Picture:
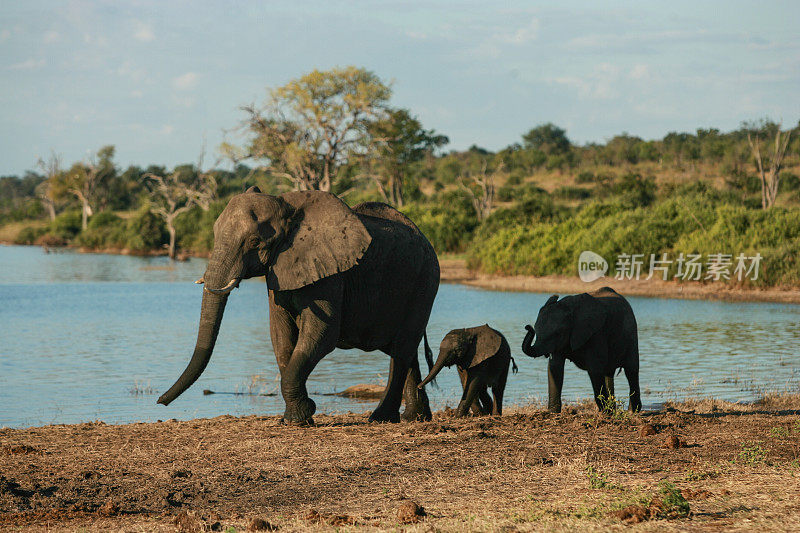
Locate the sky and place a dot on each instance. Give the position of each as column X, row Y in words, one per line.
column 159, row 80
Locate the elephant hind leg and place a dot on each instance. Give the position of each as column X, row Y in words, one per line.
column 388, row 409
column 417, row 405
column 486, row 402
column 635, row 402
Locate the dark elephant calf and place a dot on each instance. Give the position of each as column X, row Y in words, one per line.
column 596, row 331
column 481, row 355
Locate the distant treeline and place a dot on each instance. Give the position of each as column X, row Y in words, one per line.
column 529, row 208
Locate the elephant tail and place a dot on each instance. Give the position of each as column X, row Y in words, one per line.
column 514, row 368
column 428, row 356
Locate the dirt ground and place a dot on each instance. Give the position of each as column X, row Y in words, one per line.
column 737, row 467
column 454, row 270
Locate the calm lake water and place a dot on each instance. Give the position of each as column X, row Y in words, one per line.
column 86, row 337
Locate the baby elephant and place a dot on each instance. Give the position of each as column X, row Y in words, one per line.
column 596, row 331
column 481, row 355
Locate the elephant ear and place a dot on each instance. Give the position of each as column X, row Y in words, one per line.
column 487, row 344
column 588, row 317
column 325, row 237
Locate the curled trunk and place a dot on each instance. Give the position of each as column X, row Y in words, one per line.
column 211, row 313
column 527, row 347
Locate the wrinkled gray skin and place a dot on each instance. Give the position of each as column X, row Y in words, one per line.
column 596, row 331
column 481, row 355
column 363, row 278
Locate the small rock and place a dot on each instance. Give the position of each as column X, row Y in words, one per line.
column 673, row 442
column 409, row 512
column 180, row 473
column 108, row 509
column 259, row 524
column 216, row 526
column 647, row 430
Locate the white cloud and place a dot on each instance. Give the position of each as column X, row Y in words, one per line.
column 523, row 35
column 51, row 36
column 128, row 70
column 600, row 84
column 29, row 64
column 184, row 101
column 143, row 32
column 185, row 82
column 166, row 129
column 98, row 40
column 639, row 72
column 136, row 93
column 5, row 35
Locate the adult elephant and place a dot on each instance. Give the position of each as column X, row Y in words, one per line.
column 596, row 331
column 359, row 278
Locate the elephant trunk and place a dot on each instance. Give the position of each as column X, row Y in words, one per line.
column 437, row 367
column 213, row 307
column 527, row 347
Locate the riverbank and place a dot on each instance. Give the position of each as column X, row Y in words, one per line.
column 736, row 466
column 454, row 270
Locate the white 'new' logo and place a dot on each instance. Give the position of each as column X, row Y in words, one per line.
column 591, row 266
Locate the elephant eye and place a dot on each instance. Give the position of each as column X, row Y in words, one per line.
column 253, row 241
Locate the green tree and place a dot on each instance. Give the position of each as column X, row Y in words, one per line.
column 548, row 138
column 314, row 126
column 399, row 140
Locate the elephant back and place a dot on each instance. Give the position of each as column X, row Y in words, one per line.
column 385, row 211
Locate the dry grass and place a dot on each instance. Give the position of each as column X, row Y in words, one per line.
column 528, row 470
column 9, row 231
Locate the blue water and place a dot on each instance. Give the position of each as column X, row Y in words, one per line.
column 87, row 337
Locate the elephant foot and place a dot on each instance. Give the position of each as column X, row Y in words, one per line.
column 300, row 413
column 382, row 414
column 462, row 410
column 417, row 414
column 555, row 409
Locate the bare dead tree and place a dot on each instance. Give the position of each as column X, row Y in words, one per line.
column 770, row 179
column 483, row 182
column 45, row 191
column 170, row 198
column 205, row 190
column 85, row 181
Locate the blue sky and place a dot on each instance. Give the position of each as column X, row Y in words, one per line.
column 156, row 78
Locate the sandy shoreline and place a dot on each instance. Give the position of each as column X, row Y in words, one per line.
column 529, row 470
column 455, row 271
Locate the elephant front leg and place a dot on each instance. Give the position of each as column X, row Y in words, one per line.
column 470, row 396
column 316, row 339
column 555, row 381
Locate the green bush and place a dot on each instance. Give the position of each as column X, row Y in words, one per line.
column 572, row 193
column 66, row 225
column 104, row 230
column 448, row 223
column 144, row 231
column 29, row 235
column 686, row 222
column 195, row 227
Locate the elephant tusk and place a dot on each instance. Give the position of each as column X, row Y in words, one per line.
column 226, row 289
column 200, row 281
